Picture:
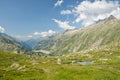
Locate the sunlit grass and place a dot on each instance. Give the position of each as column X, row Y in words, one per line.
column 48, row 69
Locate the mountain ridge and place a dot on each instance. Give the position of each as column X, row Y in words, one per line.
column 10, row 44
column 97, row 35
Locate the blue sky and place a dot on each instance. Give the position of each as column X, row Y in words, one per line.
column 28, row 18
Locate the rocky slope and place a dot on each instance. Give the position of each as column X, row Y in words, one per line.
column 96, row 36
column 9, row 44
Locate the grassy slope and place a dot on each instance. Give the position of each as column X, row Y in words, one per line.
column 47, row 69
column 94, row 36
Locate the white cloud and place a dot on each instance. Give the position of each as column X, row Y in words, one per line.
column 116, row 13
column 88, row 12
column 22, row 37
column 64, row 25
column 29, row 36
column 37, row 33
column 19, row 37
column 44, row 34
column 58, row 3
column 2, row 29
column 64, row 12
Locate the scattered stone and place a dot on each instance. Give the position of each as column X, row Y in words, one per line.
column 14, row 65
column 110, row 53
column 46, row 70
column 73, row 61
column 34, row 62
column 103, row 59
column 22, row 68
column 59, row 61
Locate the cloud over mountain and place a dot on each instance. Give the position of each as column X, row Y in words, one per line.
column 2, row 29
column 44, row 34
column 89, row 12
column 64, row 25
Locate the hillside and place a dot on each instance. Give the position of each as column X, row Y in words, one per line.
column 9, row 44
column 32, row 42
column 103, row 33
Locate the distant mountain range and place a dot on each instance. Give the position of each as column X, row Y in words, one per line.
column 103, row 33
column 32, row 42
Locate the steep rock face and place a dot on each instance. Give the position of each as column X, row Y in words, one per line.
column 103, row 33
column 9, row 44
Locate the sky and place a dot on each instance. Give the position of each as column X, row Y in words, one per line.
column 25, row 19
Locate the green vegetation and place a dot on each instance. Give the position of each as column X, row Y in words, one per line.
column 22, row 67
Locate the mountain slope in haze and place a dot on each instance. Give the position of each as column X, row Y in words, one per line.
column 32, row 42
column 44, row 43
column 9, row 44
column 17, row 41
column 101, row 34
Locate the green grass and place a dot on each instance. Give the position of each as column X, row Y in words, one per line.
column 48, row 69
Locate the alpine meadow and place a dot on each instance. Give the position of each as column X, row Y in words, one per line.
column 59, row 40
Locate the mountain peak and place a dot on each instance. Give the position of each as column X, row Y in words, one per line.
column 111, row 17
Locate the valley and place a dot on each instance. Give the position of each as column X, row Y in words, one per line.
column 59, row 39
column 89, row 53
